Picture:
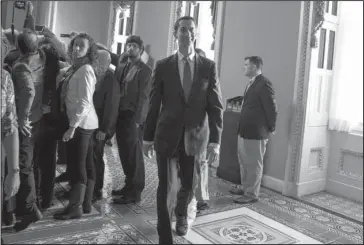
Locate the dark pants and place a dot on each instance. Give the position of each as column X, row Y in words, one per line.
column 184, row 196
column 26, row 196
column 80, row 157
column 130, row 151
column 61, row 152
column 99, row 147
column 46, row 162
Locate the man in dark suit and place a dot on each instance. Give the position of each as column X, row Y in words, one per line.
column 134, row 78
column 257, row 122
column 185, row 90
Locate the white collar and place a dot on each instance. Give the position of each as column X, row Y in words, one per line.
column 190, row 56
column 253, row 78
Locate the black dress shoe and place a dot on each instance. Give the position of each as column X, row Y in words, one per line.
column 126, row 200
column 32, row 217
column 119, row 192
column 9, row 218
column 202, row 205
column 69, row 213
column 181, row 225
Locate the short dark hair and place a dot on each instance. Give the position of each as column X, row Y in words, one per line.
column 176, row 24
column 135, row 39
column 27, row 41
column 256, row 60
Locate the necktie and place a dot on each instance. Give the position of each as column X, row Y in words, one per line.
column 247, row 86
column 187, row 78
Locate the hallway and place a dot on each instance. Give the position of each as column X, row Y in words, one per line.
column 275, row 219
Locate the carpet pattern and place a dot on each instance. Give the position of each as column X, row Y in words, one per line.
column 136, row 224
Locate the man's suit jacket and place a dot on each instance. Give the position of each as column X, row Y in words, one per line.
column 28, row 78
column 170, row 113
column 106, row 102
column 259, row 111
column 135, row 86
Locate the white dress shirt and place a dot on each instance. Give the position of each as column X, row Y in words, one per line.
column 79, row 99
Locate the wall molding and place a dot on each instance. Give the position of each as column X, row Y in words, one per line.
column 293, row 164
column 272, row 183
column 310, row 187
column 319, row 166
column 342, row 189
column 340, row 167
column 172, row 20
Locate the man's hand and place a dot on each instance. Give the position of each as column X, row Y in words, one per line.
column 47, row 32
column 11, row 184
column 69, row 134
column 148, row 150
column 137, row 125
column 100, row 135
column 73, row 34
column 30, row 8
column 46, row 109
column 25, row 128
column 213, row 153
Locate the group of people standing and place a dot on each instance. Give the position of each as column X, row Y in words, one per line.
column 72, row 97
column 58, row 96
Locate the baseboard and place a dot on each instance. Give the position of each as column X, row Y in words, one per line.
column 310, row 187
column 345, row 190
column 272, row 183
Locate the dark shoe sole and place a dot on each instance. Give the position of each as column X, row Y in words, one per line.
column 245, row 201
column 125, row 201
column 237, row 192
column 202, row 206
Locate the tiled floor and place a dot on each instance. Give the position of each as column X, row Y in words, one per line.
column 275, row 219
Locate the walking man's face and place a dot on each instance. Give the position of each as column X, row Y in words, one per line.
column 186, row 33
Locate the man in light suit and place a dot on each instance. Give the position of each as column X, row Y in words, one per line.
column 257, row 122
column 185, row 90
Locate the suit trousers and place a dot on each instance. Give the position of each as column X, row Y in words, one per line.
column 168, row 181
column 26, row 196
column 130, row 152
column 201, row 178
column 250, row 156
